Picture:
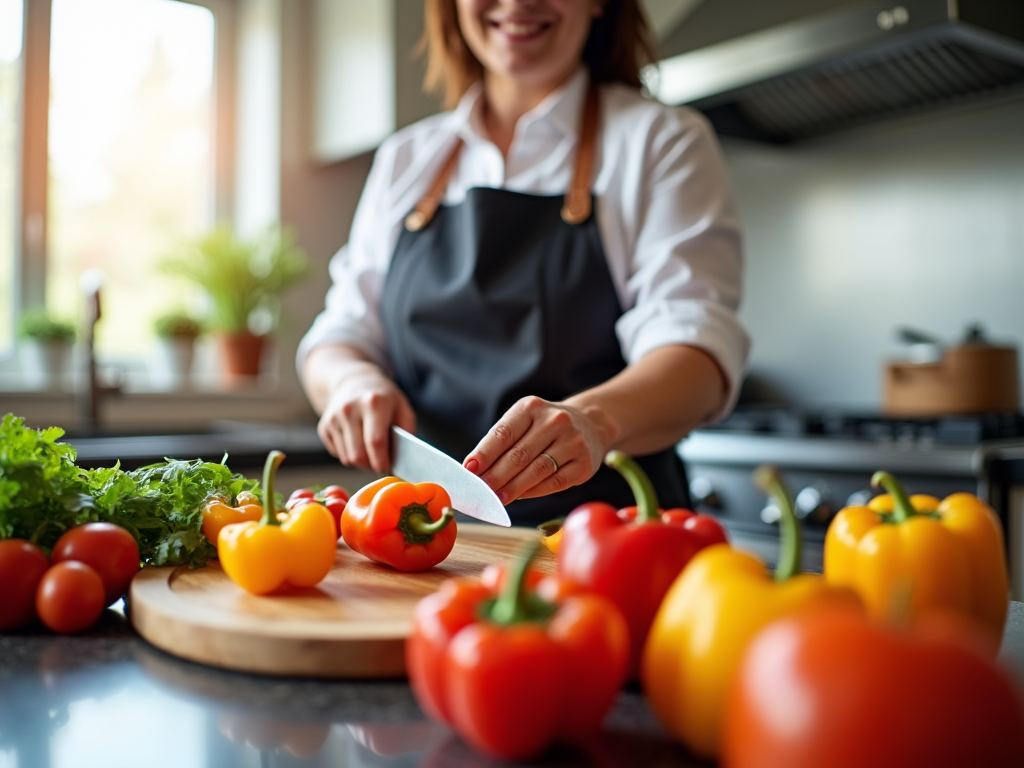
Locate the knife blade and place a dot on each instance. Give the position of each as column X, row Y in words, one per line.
column 415, row 461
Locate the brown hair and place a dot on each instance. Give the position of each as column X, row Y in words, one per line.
column 618, row 47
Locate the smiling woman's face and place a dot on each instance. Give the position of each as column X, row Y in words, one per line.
column 537, row 43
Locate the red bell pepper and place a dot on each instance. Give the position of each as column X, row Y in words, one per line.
column 828, row 688
column 408, row 526
column 334, row 497
column 632, row 556
column 510, row 672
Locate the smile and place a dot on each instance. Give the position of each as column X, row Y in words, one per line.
column 519, row 29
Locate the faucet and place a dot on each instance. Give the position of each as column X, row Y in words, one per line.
column 89, row 394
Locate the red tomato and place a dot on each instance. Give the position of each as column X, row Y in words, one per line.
column 70, row 597
column 827, row 688
column 708, row 529
column 109, row 549
column 22, row 565
column 334, row 491
column 334, row 497
column 301, row 493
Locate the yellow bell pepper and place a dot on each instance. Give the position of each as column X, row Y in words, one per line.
column 709, row 615
column 262, row 556
column 217, row 513
column 918, row 555
column 551, row 533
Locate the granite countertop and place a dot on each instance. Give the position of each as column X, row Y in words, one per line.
column 107, row 698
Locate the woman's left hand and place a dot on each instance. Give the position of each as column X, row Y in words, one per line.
column 539, row 447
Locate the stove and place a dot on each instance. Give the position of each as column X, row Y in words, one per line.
column 827, row 459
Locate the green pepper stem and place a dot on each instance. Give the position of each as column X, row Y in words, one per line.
column 512, row 607
column 422, row 525
column 274, row 459
column 902, row 510
column 768, row 479
column 646, row 499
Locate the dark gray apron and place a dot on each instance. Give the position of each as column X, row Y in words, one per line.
column 497, row 298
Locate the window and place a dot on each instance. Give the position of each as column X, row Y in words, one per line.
column 10, row 98
column 130, row 155
column 112, row 151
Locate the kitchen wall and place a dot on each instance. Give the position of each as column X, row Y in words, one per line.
column 319, row 199
column 918, row 222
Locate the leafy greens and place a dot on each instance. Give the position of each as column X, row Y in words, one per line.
column 44, row 493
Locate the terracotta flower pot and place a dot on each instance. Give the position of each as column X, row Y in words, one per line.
column 240, row 353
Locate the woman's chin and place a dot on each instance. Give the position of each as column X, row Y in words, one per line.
column 530, row 70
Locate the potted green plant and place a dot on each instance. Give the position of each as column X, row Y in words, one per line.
column 244, row 280
column 176, row 334
column 46, row 343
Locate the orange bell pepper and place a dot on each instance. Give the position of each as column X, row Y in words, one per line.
column 408, row 526
column 946, row 555
column 217, row 513
column 263, row 556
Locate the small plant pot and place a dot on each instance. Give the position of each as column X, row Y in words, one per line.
column 176, row 356
column 240, row 354
column 46, row 362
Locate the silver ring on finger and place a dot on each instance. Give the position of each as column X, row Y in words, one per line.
column 554, row 463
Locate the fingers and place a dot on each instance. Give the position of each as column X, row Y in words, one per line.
column 330, row 436
column 356, row 424
column 377, row 432
column 503, row 436
column 566, row 477
column 528, row 431
column 405, row 416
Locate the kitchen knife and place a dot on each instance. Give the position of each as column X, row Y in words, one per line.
column 418, row 462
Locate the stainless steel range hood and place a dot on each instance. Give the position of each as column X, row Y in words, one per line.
column 785, row 70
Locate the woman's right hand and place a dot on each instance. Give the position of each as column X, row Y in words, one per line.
column 355, row 424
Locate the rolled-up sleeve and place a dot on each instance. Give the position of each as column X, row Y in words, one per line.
column 685, row 271
column 351, row 313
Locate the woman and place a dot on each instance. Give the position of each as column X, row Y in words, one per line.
column 544, row 273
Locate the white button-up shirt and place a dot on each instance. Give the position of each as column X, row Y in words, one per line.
column 664, row 210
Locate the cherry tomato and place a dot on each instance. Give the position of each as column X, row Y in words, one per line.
column 109, row 549
column 22, row 565
column 708, row 528
column 70, row 597
column 334, row 497
column 705, row 527
column 300, row 494
column 334, row 491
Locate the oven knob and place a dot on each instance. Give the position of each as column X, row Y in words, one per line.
column 771, row 513
column 860, row 498
column 813, row 505
column 703, row 494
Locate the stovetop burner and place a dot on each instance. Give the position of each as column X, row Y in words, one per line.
column 961, row 429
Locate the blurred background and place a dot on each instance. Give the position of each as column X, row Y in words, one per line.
column 130, row 129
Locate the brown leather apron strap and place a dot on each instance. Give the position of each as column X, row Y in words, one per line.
column 577, row 200
column 427, row 206
column 577, row 207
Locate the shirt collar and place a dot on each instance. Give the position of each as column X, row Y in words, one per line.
column 561, row 108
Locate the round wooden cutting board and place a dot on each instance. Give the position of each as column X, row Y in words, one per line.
column 353, row 624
